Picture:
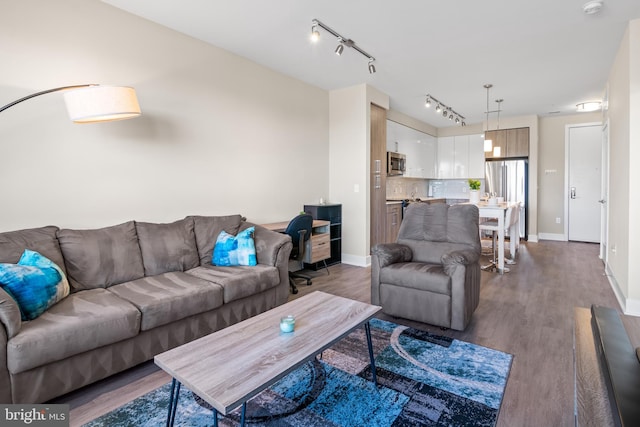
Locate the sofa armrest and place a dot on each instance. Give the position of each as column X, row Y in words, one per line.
column 268, row 243
column 273, row 248
column 9, row 314
column 391, row 253
column 451, row 260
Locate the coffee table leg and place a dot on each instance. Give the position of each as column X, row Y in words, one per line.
column 244, row 411
column 215, row 417
column 367, row 329
column 173, row 402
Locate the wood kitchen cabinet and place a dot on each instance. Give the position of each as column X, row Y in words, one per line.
column 518, row 142
column 378, row 176
column 513, row 143
column 394, row 218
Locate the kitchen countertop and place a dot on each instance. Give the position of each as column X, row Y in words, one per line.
column 425, row 199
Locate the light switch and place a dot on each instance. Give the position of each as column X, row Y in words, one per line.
column 356, row 188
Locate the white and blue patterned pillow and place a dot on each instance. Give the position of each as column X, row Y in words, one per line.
column 35, row 283
column 235, row 250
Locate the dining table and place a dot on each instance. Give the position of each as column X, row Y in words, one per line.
column 498, row 211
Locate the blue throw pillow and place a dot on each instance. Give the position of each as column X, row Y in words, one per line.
column 36, row 283
column 235, row 250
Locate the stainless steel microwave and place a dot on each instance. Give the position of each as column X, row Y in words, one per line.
column 396, row 163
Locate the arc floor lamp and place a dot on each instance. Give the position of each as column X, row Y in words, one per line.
column 92, row 103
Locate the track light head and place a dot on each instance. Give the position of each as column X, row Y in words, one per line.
column 427, row 103
column 444, row 113
column 457, row 120
column 340, row 49
column 438, row 108
column 463, row 124
column 372, row 68
column 315, row 34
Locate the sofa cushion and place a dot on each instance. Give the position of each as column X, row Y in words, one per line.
column 207, row 229
column 102, row 257
column 42, row 240
column 417, row 275
column 169, row 297
column 36, row 283
column 235, row 250
column 239, row 282
column 81, row 322
column 167, row 247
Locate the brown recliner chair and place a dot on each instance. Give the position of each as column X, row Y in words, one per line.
column 432, row 273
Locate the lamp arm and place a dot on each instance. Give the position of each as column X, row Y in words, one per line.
column 44, row 92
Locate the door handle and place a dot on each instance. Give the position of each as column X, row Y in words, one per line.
column 602, row 201
column 573, row 192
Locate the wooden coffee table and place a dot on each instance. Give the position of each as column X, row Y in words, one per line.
column 229, row 367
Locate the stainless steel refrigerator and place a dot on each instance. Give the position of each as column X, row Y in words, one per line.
column 509, row 179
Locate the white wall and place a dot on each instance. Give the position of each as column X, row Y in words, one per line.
column 350, row 149
column 219, row 134
column 624, row 200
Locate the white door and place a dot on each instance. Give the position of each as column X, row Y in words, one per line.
column 584, row 156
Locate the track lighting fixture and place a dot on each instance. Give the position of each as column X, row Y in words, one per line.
column 372, row 68
column 315, row 34
column 344, row 41
column 447, row 112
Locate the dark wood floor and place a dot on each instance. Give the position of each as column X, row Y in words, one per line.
column 528, row 313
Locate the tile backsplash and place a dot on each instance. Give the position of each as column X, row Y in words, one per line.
column 408, row 188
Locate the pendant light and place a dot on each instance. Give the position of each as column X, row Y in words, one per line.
column 496, row 150
column 488, row 144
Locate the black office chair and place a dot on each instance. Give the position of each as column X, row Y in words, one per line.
column 300, row 231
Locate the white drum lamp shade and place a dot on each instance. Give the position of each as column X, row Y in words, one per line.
column 101, row 104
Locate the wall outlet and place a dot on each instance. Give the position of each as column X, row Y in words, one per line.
column 558, row 220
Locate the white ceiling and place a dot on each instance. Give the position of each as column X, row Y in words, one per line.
column 541, row 56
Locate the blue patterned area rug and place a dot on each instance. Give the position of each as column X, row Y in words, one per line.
column 425, row 380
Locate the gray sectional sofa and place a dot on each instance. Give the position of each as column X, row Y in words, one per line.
column 138, row 289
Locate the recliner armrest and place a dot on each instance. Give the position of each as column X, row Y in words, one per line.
column 460, row 257
column 391, row 253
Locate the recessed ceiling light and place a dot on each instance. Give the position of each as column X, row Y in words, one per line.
column 592, row 7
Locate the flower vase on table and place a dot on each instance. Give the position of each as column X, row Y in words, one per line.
column 474, row 196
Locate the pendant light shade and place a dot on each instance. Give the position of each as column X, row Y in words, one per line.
column 101, row 104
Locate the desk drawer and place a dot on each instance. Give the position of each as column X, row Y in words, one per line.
column 320, row 248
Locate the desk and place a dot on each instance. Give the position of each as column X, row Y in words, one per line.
column 318, row 247
column 498, row 211
column 281, row 226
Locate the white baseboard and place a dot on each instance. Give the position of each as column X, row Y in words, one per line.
column 553, row 236
column 533, row 238
column 358, row 261
column 628, row 306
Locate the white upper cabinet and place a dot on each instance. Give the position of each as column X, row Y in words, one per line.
column 476, row 156
column 460, row 157
column 419, row 147
column 446, row 157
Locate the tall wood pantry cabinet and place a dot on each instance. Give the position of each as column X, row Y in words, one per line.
column 333, row 214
